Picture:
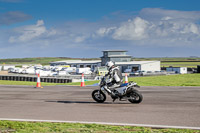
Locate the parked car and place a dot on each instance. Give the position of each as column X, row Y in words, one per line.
column 19, row 70
column 85, row 70
column 137, row 73
column 30, row 70
column 63, row 73
column 127, row 70
column 11, row 70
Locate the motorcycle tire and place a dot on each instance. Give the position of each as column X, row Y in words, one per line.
column 98, row 96
column 135, row 96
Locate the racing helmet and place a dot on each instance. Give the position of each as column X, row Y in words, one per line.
column 109, row 64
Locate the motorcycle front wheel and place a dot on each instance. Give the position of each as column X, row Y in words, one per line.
column 135, row 96
column 98, row 96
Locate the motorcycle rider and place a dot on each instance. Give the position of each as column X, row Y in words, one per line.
column 115, row 77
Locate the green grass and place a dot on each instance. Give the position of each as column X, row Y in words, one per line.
column 38, row 60
column 6, row 82
column 168, row 80
column 47, row 127
column 169, row 59
column 165, row 80
column 175, row 62
column 43, row 60
column 180, row 64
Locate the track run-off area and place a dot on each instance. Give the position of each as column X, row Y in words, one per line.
column 162, row 107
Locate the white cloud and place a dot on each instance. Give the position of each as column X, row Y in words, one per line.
column 166, row 18
column 52, row 32
column 158, row 13
column 38, row 33
column 79, row 39
column 29, row 32
column 40, row 23
column 132, row 30
column 190, row 28
column 154, row 26
column 105, row 31
column 148, row 29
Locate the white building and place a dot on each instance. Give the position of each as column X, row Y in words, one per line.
column 139, row 65
column 123, row 60
column 120, row 58
column 115, row 56
column 78, row 63
column 180, row 70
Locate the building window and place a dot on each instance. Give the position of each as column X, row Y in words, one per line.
column 105, row 54
column 135, row 68
column 81, row 66
column 88, row 66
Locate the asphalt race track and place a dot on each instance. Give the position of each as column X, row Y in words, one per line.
column 170, row 106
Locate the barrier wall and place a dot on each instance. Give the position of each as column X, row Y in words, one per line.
column 34, row 79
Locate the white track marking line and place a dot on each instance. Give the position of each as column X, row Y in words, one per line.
column 104, row 123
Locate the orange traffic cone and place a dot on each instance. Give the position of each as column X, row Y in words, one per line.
column 38, row 81
column 82, row 80
column 126, row 78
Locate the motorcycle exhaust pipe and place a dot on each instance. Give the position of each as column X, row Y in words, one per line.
column 129, row 90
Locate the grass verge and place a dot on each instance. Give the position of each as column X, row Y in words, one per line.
column 169, row 80
column 165, row 80
column 47, row 127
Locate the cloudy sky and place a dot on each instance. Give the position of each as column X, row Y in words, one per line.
column 83, row 28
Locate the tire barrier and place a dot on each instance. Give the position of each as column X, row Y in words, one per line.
column 34, row 79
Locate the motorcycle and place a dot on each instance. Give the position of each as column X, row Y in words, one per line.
column 126, row 91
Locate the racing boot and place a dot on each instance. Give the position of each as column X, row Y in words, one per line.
column 114, row 96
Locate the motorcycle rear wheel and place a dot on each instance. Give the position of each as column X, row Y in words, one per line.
column 98, row 96
column 135, row 97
